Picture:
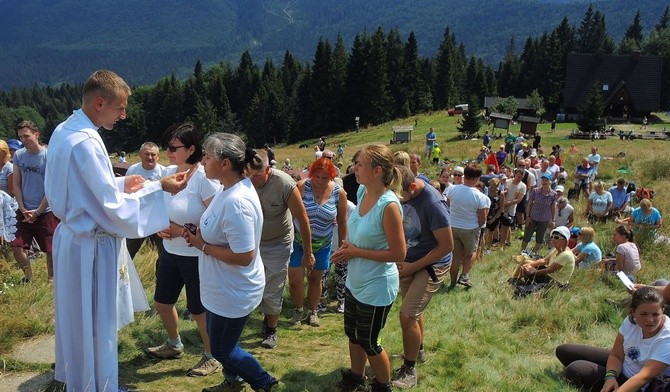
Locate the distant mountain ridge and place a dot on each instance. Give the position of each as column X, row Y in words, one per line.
column 53, row 41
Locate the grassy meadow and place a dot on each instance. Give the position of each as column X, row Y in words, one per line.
column 477, row 340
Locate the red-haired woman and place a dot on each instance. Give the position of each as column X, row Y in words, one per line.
column 325, row 202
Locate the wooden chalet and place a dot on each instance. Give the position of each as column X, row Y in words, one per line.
column 528, row 124
column 630, row 84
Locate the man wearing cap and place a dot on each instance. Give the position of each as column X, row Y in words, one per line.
column 430, row 142
column 556, row 268
column 34, row 217
column 540, row 213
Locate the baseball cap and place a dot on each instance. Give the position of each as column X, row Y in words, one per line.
column 502, row 146
column 560, row 188
column 547, row 176
column 435, row 144
column 14, row 144
column 562, row 231
column 575, row 231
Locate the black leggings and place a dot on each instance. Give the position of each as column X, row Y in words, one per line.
column 585, row 366
column 362, row 323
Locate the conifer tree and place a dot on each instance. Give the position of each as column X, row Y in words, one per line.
column 592, row 110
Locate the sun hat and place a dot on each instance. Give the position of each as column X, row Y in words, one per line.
column 562, row 231
column 458, row 169
column 560, row 188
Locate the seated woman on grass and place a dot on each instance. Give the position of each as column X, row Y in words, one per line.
column 627, row 254
column 645, row 220
column 641, row 350
column 556, row 268
column 587, row 254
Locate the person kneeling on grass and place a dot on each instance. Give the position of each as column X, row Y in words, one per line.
column 555, row 269
column 639, row 357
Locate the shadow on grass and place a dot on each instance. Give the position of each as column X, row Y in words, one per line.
column 311, row 381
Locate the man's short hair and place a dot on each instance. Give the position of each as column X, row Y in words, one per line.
column 621, row 181
column 491, row 167
column 27, row 124
column 472, row 171
column 105, row 83
column 147, row 145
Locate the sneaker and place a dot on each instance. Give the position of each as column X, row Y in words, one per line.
column 465, row 281
column 165, row 351
column 313, row 319
column 340, row 307
column 227, row 386
column 270, row 341
column 321, row 308
column 422, row 357
column 405, row 377
column 297, row 318
column 204, row 367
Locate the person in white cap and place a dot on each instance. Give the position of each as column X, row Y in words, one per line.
column 556, row 268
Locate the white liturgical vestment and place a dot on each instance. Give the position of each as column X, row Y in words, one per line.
column 95, row 215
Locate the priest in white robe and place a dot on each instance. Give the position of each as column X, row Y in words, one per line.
column 96, row 211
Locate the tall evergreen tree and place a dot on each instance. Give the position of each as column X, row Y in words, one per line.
column 355, row 96
column 445, row 69
column 664, row 21
column 634, row 31
column 395, row 67
column 508, row 71
column 592, row 110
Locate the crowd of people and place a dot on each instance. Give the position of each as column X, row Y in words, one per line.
column 232, row 229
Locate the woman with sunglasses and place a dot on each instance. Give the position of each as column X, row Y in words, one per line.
column 556, row 268
column 177, row 264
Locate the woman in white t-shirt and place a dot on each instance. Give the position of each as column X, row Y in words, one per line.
column 177, row 265
column 627, row 253
column 640, row 354
column 232, row 277
column 600, row 203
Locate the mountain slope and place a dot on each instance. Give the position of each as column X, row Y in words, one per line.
column 51, row 41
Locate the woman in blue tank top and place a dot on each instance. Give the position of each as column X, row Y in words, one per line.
column 375, row 242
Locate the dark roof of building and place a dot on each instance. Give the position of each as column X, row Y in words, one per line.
column 639, row 75
column 528, row 119
column 501, row 115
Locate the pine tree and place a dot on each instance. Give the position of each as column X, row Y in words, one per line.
column 508, row 71
column 472, row 119
column 664, row 21
column 592, row 110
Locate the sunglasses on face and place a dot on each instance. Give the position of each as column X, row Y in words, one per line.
column 174, row 148
column 557, row 237
column 458, row 175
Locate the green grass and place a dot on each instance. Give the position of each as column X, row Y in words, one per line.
column 477, row 340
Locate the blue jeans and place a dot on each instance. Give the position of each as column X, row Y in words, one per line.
column 224, row 337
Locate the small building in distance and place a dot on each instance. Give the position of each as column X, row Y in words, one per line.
column 528, row 124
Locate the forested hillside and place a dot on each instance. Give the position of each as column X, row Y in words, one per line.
column 53, row 41
column 383, row 76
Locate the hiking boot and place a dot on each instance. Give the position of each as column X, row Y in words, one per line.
column 298, row 316
column 313, row 319
column 379, row 387
column 165, row 351
column 351, row 382
column 405, row 377
column 422, row 357
column 340, row 307
column 465, row 281
column 204, row 367
column 270, row 340
column 227, row 386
